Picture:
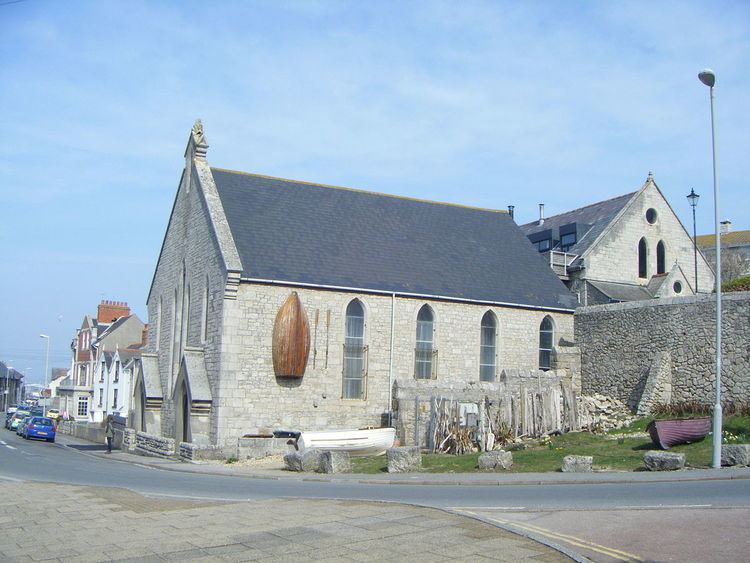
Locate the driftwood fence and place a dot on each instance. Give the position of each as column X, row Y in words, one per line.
column 461, row 420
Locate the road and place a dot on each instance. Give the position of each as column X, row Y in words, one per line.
column 675, row 520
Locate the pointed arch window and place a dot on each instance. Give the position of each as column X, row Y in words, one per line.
column 487, row 347
column 642, row 258
column 204, row 324
column 425, row 354
column 355, row 352
column 661, row 258
column 546, row 338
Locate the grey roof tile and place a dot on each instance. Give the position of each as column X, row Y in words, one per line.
column 314, row 234
column 597, row 216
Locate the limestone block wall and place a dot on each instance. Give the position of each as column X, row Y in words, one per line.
column 189, row 246
column 251, row 400
column 615, row 257
column 620, row 342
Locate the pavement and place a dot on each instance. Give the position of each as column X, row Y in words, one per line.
column 56, row 522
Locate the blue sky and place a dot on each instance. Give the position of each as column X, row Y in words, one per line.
column 479, row 103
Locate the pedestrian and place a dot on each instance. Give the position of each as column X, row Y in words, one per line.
column 109, row 432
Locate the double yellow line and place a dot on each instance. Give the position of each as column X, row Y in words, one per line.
column 572, row 540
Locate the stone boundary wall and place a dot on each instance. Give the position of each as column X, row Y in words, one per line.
column 620, row 342
column 150, row 444
column 91, row 431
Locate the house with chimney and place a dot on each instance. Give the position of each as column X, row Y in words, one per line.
column 112, row 328
column 735, row 250
column 627, row 248
column 286, row 304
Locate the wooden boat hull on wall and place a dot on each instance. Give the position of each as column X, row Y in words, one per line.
column 291, row 339
column 671, row 432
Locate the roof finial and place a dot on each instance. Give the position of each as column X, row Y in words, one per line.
column 198, row 140
column 650, row 176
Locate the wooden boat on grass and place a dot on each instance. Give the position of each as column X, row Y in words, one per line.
column 670, row 432
column 371, row 441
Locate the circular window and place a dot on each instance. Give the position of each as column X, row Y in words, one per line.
column 677, row 287
column 651, row 215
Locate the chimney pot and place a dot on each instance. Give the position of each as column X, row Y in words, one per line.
column 541, row 214
column 511, row 208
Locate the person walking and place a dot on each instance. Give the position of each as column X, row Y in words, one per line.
column 109, row 432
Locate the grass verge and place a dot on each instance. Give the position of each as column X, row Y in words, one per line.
column 617, row 451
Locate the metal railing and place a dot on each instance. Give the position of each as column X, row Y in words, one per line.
column 425, row 363
column 560, row 261
column 354, row 376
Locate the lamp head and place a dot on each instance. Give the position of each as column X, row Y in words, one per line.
column 43, row 336
column 693, row 197
column 708, row 77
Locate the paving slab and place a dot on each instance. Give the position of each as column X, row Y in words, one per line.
column 144, row 528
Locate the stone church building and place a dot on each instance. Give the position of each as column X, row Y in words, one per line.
column 281, row 304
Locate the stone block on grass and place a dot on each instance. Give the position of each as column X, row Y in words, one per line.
column 663, row 461
column 735, row 454
column 293, row 461
column 335, row 462
column 577, row 464
column 404, row 459
column 497, row 460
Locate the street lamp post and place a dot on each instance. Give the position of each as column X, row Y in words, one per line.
column 693, row 199
column 46, row 369
column 708, row 78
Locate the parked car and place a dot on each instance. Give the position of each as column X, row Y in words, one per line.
column 21, row 424
column 39, row 427
column 54, row 414
column 16, row 419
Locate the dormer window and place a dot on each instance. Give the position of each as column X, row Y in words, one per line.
column 543, row 245
column 567, row 241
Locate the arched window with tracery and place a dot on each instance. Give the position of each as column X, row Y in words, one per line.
column 546, row 338
column 487, row 347
column 425, row 353
column 355, row 352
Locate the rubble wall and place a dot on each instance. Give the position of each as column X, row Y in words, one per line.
column 619, row 343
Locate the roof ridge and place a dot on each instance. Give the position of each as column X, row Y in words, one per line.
column 584, row 207
column 359, row 190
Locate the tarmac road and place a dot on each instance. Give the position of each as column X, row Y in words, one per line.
column 617, row 516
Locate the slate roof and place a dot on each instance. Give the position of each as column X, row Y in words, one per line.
column 595, row 216
column 307, row 233
column 622, row 291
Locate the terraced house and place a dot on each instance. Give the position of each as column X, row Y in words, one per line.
column 285, row 304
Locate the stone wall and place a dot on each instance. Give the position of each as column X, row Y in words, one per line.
column 251, row 400
column 150, row 444
column 620, row 344
column 93, row 432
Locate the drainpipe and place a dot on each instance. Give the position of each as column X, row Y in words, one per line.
column 390, row 361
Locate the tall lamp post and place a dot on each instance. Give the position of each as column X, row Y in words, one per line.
column 46, row 370
column 708, row 78
column 693, row 199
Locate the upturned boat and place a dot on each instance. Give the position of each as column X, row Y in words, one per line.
column 370, row 441
column 666, row 433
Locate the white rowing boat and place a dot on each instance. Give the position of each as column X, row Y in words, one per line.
column 373, row 441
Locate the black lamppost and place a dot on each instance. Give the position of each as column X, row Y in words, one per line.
column 693, row 199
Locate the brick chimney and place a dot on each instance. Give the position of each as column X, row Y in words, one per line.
column 144, row 336
column 110, row 311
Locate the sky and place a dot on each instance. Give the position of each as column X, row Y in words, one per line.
column 487, row 104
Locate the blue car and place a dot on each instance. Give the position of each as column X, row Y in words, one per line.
column 39, row 427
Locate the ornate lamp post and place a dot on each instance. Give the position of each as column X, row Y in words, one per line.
column 708, row 78
column 693, row 199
